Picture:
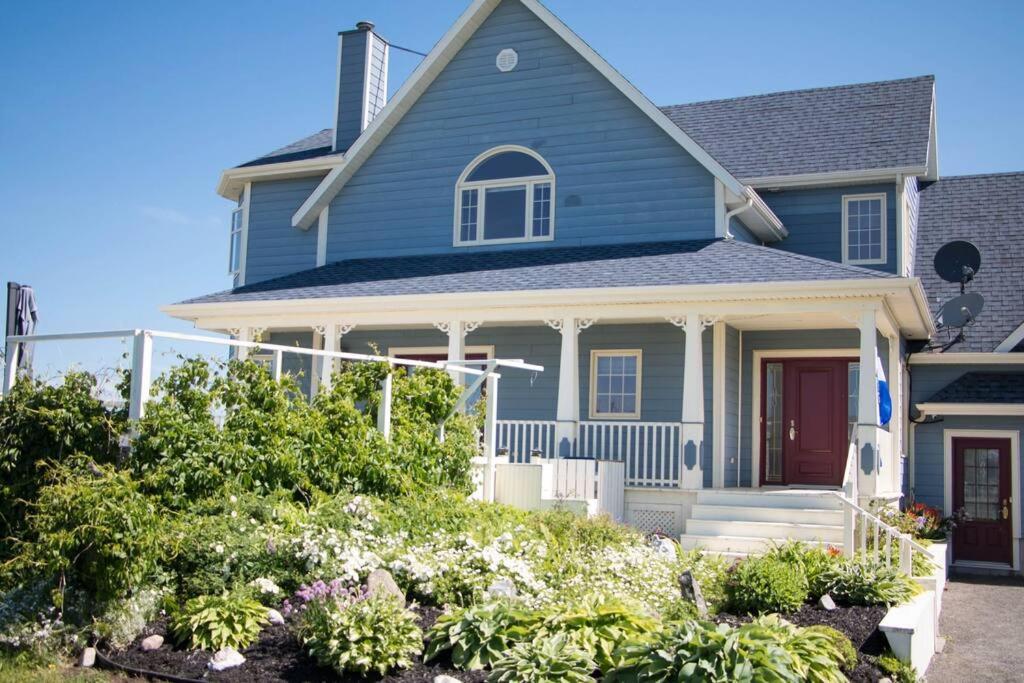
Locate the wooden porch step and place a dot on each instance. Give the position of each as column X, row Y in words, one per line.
column 749, row 513
column 790, row 499
column 775, row 531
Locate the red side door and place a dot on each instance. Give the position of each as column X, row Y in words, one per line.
column 981, row 489
column 814, row 421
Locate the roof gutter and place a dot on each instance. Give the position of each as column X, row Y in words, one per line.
column 832, row 178
column 233, row 180
column 776, row 230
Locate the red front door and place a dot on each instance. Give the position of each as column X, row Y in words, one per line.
column 805, row 421
column 981, row 490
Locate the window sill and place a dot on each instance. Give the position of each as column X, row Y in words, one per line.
column 612, row 417
column 510, row 240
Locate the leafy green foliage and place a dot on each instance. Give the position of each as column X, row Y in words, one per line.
column 212, row 622
column 861, row 582
column 845, row 649
column 544, row 660
column 900, row 671
column 599, row 626
column 376, row 634
column 93, row 528
column 768, row 649
column 41, row 422
column 813, row 561
column 766, row 584
column 480, row 635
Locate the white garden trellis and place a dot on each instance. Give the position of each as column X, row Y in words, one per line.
column 142, row 366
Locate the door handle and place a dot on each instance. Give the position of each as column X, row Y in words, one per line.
column 1006, row 508
column 792, row 430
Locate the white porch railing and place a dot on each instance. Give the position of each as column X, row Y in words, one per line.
column 648, row 450
column 866, row 534
column 525, row 439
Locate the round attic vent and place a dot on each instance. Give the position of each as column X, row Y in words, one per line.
column 507, row 59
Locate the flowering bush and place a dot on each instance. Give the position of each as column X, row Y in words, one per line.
column 918, row 520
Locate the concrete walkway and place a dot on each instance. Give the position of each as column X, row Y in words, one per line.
column 983, row 623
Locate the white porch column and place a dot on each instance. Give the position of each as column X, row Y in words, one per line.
column 895, row 378
column 867, row 407
column 241, row 334
column 333, row 332
column 490, row 436
column 691, row 442
column 456, row 331
column 718, row 406
column 567, row 417
column 142, row 367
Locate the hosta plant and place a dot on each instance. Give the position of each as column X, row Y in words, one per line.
column 862, row 582
column 362, row 636
column 544, row 660
column 480, row 635
column 600, row 626
column 212, row 622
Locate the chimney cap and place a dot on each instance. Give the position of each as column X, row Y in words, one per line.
column 364, row 25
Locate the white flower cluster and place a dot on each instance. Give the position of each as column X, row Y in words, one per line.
column 265, row 586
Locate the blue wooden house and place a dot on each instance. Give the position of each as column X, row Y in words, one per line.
column 714, row 288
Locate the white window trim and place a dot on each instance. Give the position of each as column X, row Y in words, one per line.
column 599, row 353
column 394, row 351
column 482, row 185
column 847, row 198
column 947, row 475
column 243, row 238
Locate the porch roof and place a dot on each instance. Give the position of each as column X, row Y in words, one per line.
column 695, row 262
column 982, row 387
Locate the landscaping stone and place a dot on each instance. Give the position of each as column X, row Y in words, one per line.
column 151, row 643
column 691, row 591
column 502, row 588
column 274, row 617
column 381, row 581
column 226, row 658
column 827, row 602
column 445, row 678
column 87, row 658
column 666, row 547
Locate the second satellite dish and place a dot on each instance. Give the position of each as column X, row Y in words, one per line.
column 960, row 311
column 957, row 261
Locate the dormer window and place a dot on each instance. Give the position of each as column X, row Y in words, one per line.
column 864, row 229
column 505, row 195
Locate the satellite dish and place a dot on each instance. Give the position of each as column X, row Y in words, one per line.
column 961, row 311
column 957, row 261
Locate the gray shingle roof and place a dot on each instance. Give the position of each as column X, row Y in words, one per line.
column 987, row 210
column 982, row 387
column 844, row 128
column 695, row 262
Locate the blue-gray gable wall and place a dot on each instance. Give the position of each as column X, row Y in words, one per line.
column 814, row 218
column 273, row 246
column 776, row 340
column 929, row 440
column 299, row 366
column 529, row 396
column 619, row 178
column 741, row 233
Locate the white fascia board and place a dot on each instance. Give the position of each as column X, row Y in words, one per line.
column 761, row 220
column 438, row 59
column 979, row 358
column 933, row 144
column 232, row 181
column 976, row 409
column 835, row 178
column 1010, row 343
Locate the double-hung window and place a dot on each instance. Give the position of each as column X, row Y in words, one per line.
column 864, row 229
column 505, row 195
column 615, row 384
column 235, row 250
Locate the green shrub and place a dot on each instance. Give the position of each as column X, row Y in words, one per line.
column 814, row 562
column 43, row 422
column 599, row 626
column 768, row 649
column 544, row 660
column 766, row 584
column 92, row 528
column 899, row 671
column 480, row 635
column 212, row 622
column 860, row 582
column 376, row 634
column 847, row 653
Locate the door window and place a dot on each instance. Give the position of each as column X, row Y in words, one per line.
column 981, row 484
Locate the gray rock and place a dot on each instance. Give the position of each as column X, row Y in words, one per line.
column 691, row 591
column 502, row 588
column 445, row 678
column 87, row 658
column 381, row 581
column 666, row 547
column 274, row 617
column 827, row 602
column 153, row 642
column 226, row 658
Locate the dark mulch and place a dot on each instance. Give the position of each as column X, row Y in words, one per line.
column 859, row 624
column 276, row 658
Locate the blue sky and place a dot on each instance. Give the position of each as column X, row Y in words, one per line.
column 117, row 117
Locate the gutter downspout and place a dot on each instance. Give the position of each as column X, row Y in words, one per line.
column 735, row 212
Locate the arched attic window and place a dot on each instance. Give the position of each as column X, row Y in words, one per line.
column 506, row 194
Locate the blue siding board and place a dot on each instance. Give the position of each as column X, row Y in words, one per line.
column 741, row 232
column 274, row 248
column 299, row 366
column 814, row 218
column 598, row 143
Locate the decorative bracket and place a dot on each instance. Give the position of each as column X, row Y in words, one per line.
column 235, row 332
column 444, row 327
column 705, row 321
column 584, row 323
column 345, row 328
column 556, row 324
column 320, row 329
column 467, row 327
column 470, row 326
